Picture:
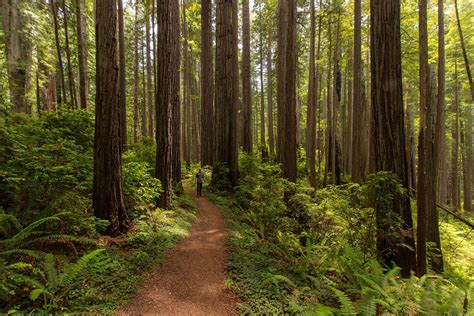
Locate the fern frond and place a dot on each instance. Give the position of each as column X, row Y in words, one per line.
column 26, row 232
column 61, row 238
column 277, row 278
column 347, row 307
column 28, row 281
column 51, row 271
column 19, row 266
column 23, row 252
column 9, row 224
column 371, row 283
column 73, row 270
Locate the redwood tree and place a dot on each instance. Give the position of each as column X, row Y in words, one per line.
column 107, row 199
column 122, row 78
column 246, row 79
column 18, row 54
column 207, row 85
column 389, row 132
column 82, row 52
column 167, row 94
column 226, row 88
column 287, row 87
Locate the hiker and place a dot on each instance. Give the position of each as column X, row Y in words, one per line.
column 199, row 178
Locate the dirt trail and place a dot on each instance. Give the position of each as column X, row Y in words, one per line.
column 191, row 279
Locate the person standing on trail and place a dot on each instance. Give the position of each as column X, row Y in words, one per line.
column 199, row 179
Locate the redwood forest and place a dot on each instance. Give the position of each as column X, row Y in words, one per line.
column 236, row 157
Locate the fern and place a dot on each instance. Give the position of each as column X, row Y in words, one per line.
column 51, row 271
column 372, row 284
column 23, row 252
column 8, row 224
column 27, row 231
column 62, row 238
column 80, row 265
column 277, row 278
column 19, row 266
column 346, row 305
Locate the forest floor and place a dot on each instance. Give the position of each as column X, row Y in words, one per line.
column 191, row 279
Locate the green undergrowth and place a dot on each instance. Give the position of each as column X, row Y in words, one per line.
column 315, row 255
column 92, row 281
column 117, row 273
column 54, row 258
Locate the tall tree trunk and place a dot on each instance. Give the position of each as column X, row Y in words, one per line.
column 227, row 86
column 411, row 157
column 287, row 86
column 282, row 44
column 312, row 99
column 329, row 109
column 54, row 11
column 439, row 144
column 426, row 190
column 72, row 84
column 195, row 114
column 335, row 153
column 467, row 152
column 18, row 54
column 168, row 93
column 246, row 79
column 187, row 93
column 107, row 197
column 262, row 100
column 359, row 152
column 136, row 114
column 82, row 52
column 271, row 137
column 467, row 162
column 389, row 131
column 144, row 111
column 122, row 78
column 454, row 183
column 149, row 70
column 175, row 91
column 207, row 85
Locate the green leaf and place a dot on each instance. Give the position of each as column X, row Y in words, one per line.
column 36, row 293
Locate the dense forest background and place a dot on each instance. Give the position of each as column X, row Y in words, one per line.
column 335, row 134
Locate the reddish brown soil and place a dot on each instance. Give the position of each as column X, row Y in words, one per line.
column 191, row 279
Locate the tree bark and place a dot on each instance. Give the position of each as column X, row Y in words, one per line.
column 227, row 87
column 388, row 130
column 467, row 152
column 271, row 137
column 287, row 87
column 312, row 99
column 149, row 70
column 454, row 183
column 122, row 78
column 439, row 156
column 107, row 198
column 18, row 54
column 168, row 94
column 359, row 151
column 175, row 90
column 136, row 114
column 207, row 85
column 62, row 89
column 144, row 114
column 72, row 84
column 82, row 52
column 263, row 144
column 246, row 80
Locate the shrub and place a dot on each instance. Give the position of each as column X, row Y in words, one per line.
column 141, row 189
